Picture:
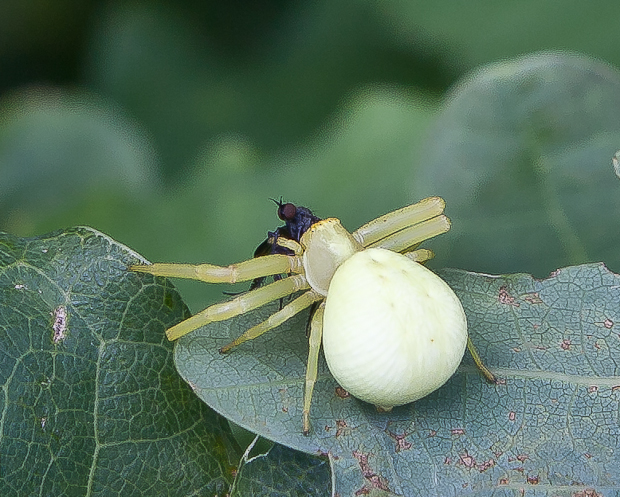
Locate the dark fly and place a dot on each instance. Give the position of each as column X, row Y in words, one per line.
column 297, row 220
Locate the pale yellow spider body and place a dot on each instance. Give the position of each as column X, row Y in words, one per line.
column 321, row 251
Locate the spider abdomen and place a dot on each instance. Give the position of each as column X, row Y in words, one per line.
column 393, row 331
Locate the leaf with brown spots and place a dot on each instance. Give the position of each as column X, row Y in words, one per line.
column 544, row 406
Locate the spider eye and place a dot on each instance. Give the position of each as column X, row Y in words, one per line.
column 286, row 212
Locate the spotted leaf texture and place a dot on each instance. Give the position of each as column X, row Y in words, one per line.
column 90, row 402
column 550, row 426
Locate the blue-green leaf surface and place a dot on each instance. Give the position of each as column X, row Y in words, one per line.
column 550, row 427
column 90, row 402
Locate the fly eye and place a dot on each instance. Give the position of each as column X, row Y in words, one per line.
column 286, row 212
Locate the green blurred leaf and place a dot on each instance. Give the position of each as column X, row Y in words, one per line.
column 158, row 60
column 522, row 154
column 90, row 401
column 553, row 422
column 478, row 31
column 60, row 147
column 282, row 472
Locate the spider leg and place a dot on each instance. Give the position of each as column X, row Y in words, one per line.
column 491, row 378
column 239, row 305
column 242, row 271
column 290, row 244
column 420, row 255
column 377, row 229
column 409, row 238
column 316, row 333
column 276, row 319
column 309, row 322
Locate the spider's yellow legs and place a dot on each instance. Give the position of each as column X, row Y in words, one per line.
column 420, row 255
column 239, row 305
column 291, row 245
column 276, row 319
column 242, row 271
column 316, row 333
column 409, row 238
column 479, row 364
column 371, row 234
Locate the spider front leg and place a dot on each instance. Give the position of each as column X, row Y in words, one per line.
column 371, row 234
column 240, row 305
column 243, row 271
column 316, row 334
column 276, row 319
column 209, row 273
column 410, row 237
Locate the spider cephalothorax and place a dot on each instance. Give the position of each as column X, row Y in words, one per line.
column 392, row 330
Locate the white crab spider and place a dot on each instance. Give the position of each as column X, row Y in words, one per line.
column 392, row 331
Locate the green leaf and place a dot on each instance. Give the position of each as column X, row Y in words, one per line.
column 90, row 401
column 282, row 472
column 60, row 147
column 551, row 424
column 155, row 60
column 526, row 146
column 513, row 27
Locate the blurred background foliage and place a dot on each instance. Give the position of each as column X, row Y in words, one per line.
column 169, row 124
